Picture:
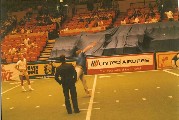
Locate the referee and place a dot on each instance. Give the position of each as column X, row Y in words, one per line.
column 68, row 77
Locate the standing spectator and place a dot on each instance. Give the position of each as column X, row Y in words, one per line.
column 68, row 79
column 21, row 66
column 81, row 65
column 175, row 61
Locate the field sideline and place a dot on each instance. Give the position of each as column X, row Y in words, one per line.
column 147, row 95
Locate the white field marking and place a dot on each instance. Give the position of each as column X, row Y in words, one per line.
column 158, row 87
column 89, row 75
column 136, row 89
column 94, row 102
column 147, row 71
column 37, row 106
column 13, row 83
column 91, row 100
column 171, row 73
column 28, row 97
column 170, row 96
column 7, row 98
column 11, row 108
column 117, row 101
column 11, row 89
column 96, row 108
column 129, row 72
column 120, row 75
column 144, row 99
column 141, row 71
column 104, row 76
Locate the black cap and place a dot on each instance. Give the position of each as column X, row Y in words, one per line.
column 62, row 58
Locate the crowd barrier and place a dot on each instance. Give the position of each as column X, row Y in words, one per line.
column 97, row 65
column 79, row 30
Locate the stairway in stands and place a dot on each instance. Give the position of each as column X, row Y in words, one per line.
column 45, row 54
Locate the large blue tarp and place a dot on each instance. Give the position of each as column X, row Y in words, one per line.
column 125, row 39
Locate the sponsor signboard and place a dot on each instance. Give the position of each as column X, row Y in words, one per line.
column 164, row 59
column 124, row 63
column 9, row 73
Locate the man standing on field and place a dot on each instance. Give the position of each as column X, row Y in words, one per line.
column 21, row 66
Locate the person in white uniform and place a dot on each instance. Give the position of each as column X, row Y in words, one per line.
column 21, row 66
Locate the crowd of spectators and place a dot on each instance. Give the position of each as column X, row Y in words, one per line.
column 146, row 14
column 91, row 20
column 7, row 25
column 28, row 35
column 51, row 22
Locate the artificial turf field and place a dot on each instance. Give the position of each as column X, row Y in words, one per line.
column 149, row 95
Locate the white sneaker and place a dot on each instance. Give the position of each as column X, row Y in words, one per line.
column 31, row 89
column 24, row 90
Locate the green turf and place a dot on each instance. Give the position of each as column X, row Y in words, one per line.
column 151, row 95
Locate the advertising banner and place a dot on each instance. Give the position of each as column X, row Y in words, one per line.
column 125, row 63
column 9, row 73
column 164, row 59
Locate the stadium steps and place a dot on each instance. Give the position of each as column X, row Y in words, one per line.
column 47, row 50
column 49, row 45
column 43, row 59
column 51, row 41
column 45, row 54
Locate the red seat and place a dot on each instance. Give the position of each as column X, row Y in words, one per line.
column 28, row 58
column 15, row 59
column 33, row 58
column 9, row 60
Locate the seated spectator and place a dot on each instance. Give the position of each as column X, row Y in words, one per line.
column 33, row 45
column 100, row 23
column 14, row 31
column 154, row 20
column 28, row 31
column 23, row 50
column 22, row 31
column 123, row 22
column 169, row 15
column 26, row 42
column 12, row 51
column 136, row 20
column 132, row 20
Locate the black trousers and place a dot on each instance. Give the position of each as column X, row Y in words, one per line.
column 72, row 90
